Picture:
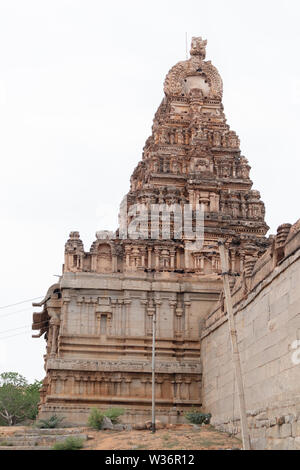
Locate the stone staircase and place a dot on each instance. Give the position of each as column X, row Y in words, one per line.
column 38, row 439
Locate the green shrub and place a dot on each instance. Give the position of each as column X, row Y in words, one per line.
column 96, row 416
column 53, row 422
column 196, row 417
column 95, row 419
column 114, row 413
column 18, row 399
column 6, row 444
column 70, row 443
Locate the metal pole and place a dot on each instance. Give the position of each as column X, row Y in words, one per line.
column 186, row 47
column 153, row 370
column 234, row 346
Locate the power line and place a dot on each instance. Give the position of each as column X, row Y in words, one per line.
column 24, row 326
column 17, row 334
column 13, row 329
column 21, row 333
column 22, row 302
column 14, row 313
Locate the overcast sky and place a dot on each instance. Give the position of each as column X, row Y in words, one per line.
column 80, row 82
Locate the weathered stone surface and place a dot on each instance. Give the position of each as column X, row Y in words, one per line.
column 39, row 439
column 269, row 350
column 119, row 427
column 296, row 428
column 158, row 424
column 297, row 443
column 139, row 426
column 98, row 319
column 273, row 432
column 258, row 443
column 106, row 423
column 262, row 416
column 286, row 430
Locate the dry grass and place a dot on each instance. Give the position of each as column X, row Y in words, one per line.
column 181, row 437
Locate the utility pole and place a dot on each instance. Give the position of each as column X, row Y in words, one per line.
column 153, row 368
column 234, row 345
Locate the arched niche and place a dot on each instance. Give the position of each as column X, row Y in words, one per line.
column 104, row 258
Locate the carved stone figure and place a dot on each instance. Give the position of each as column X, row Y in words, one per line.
column 198, row 47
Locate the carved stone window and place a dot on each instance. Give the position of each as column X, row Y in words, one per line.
column 103, row 324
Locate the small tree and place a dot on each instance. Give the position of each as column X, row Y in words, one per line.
column 95, row 419
column 114, row 413
column 70, row 443
column 196, row 417
column 96, row 416
column 18, row 399
column 50, row 423
column 13, row 378
column 32, row 398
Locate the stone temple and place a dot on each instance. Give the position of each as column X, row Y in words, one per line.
column 97, row 320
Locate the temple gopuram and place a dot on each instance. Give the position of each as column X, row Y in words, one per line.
column 97, row 320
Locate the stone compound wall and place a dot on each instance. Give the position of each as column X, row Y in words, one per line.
column 268, row 327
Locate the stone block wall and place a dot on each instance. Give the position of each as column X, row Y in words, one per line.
column 99, row 345
column 267, row 317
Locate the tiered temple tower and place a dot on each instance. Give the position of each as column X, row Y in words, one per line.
column 97, row 320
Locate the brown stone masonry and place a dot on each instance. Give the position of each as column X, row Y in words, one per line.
column 97, row 320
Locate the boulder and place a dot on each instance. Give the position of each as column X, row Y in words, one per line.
column 139, row 426
column 119, row 427
column 158, row 424
column 171, row 426
column 106, row 423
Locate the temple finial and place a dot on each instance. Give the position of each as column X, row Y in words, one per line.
column 198, row 47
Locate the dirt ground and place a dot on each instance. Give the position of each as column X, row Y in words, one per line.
column 180, row 437
column 176, row 437
column 6, row 431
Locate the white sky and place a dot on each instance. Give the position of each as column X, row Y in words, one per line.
column 80, row 82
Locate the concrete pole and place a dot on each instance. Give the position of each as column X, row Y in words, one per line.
column 234, row 346
column 153, row 369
